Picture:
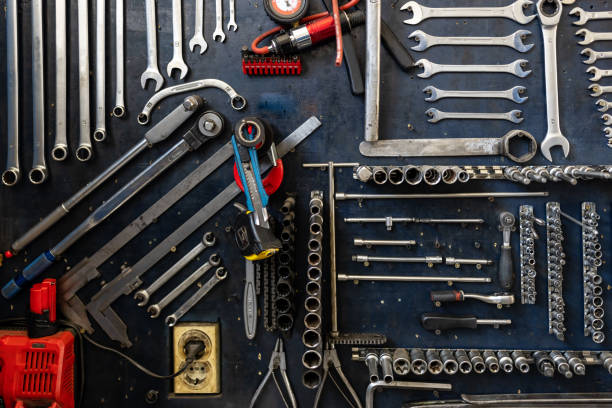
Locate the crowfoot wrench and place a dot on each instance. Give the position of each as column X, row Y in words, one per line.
column 512, row 94
column 198, row 33
column 595, row 55
column 549, row 23
column 514, row 40
column 603, row 105
column 598, row 73
column 431, row 68
column 231, row 24
column 219, row 22
column 152, row 71
column 435, row 115
column 177, row 61
column 584, row 16
column 514, row 11
column 591, row 36
column 597, row 90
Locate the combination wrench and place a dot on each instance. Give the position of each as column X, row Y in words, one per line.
column 231, row 24
column 435, row 115
column 554, row 136
column 603, row 105
column 595, row 55
column 119, row 109
column 512, row 94
column 152, row 71
column 219, row 276
column 99, row 133
column 84, row 150
column 155, row 309
column 514, row 40
column 514, row 11
column 60, row 147
column 38, row 173
column 584, row 16
column 219, row 35
column 198, row 33
column 598, row 90
column 12, row 174
column 431, row 68
column 598, row 73
column 177, row 61
column 143, row 295
column 591, row 36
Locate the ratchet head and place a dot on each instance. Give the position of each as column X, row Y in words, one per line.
column 417, row 13
column 518, row 11
column 198, row 40
column 517, row 93
column 432, row 93
column 587, row 35
column 153, row 75
column 154, row 311
column 595, row 90
column 519, row 136
column 434, row 115
column 596, row 72
column 421, row 38
column 607, row 119
column 551, row 140
column 582, row 16
column 603, row 105
column 427, row 67
column 592, row 57
column 142, row 296
column 519, row 37
column 518, row 68
column 177, row 63
column 549, row 16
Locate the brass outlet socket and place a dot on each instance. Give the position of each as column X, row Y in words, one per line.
column 204, row 375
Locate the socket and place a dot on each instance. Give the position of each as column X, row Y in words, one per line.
column 204, row 375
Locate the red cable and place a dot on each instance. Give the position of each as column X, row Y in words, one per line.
column 338, row 28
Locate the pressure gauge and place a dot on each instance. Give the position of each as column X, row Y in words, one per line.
column 286, row 12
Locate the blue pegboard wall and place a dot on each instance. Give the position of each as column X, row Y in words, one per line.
column 323, row 90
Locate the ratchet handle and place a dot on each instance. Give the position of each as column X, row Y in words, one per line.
column 437, row 321
column 506, row 268
column 446, row 296
column 29, row 273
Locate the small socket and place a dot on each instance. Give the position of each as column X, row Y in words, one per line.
column 401, row 361
column 465, row 365
column 434, row 363
column 419, row 365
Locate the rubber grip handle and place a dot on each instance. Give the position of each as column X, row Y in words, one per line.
column 39, row 229
column 29, row 273
column 397, row 50
column 250, row 308
column 437, row 321
column 505, row 270
column 446, row 296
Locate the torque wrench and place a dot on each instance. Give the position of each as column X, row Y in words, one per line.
column 12, row 174
column 84, row 151
column 99, row 133
column 438, row 322
column 403, row 278
column 158, row 133
column 514, row 40
column 459, row 296
column 512, row 94
column 584, row 16
column 514, row 11
column 591, row 36
column 60, row 147
column 152, row 70
column 198, row 33
column 38, row 173
column 431, row 68
column 505, row 271
column 492, row 194
column 177, row 61
column 595, row 55
column 119, row 109
column 435, row 115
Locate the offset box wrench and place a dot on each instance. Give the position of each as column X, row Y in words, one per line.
column 198, row 34
column 158, row 133
column 38, row 173
column 99, row 133
column 119, row 109
column 554, row 136
column 177, row 61
column 12, row 174
column 60, row 147
column 84, row 151
column 152, row 71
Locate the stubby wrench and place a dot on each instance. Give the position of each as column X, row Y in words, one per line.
column 598, row 73
column 584, row 16
column 60, row 147
column 198, row 33
column 431, row 68
column 549, row 23
column 219, row 276
column 119, row 109
column 155, row 309
column 12, row 174
column 84, row 151
column 435, row 115
column 603, row 105
column 143, row 295
column 591, row 37
column 152, row 71
column 231, row 24
column 177, row 61
column 597, row 90
column 99, row 133
column 218, row 35
column 38, row 173
column 595, row 55
column 515, row 40
column 512, row 94
column 514, row 11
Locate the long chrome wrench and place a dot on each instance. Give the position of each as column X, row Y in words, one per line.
column 84, row 151
column 119, row 109
column 231, row 24
column 372, row 70
column 514, row 40
column 38, row 173
column 99, row 133
column 218, row 34
column 436, row 115
column 514, row 11
column 60, row 147
column 198, row 31
column 12, row 174
column 177, row 61
column 512, row 94
column 152, row 70
column 431, row 68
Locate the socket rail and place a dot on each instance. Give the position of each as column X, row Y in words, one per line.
column 591, row 261
column 527, row 250
column 556, row 261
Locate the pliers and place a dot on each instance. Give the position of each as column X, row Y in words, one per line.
column 276, row 361
column 330, row 359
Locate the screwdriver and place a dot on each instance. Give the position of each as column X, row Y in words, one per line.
column 438, row 322
column 459, row 296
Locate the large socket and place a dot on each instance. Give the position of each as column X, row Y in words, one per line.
column 592, row 282
column 312, row 337
column 528, row 237
column 556, row 261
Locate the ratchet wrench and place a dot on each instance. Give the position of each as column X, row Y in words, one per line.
column 60, row 147
column 152, row 71
column 198, row 33
column 177, row 61
column 38, row 173
column 514, row 11
column 119, row 109
column 99, row 133
column 84, row 151
column 219, row 35
column 12, row 174
column 512, row 94
column 431, row 68
column 514, row 40
column 435, row 115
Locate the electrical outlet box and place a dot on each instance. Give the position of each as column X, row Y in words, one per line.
column 204, row 375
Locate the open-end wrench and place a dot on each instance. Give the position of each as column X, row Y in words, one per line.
column 198, row 33
column 177, row 61
column 598, row 90
column 584, row 16
column 12, row 174
column 512, row 94
column 607, row 118
column 231, row 24
column 219, row 35
column 38, row 173
column 431, row 68
column 435, row 115
column 143, row 295
column 219, row 276
column 515, row 40
column 99, row 133
column 514, row 11
column 119, row 109
column 152, row 71
column 60, row 147
column 598, row 73
column 84, row 151
column 590, row 36
column 595, row 55
column 155, row 309
column 608, row 132
column 603, row 105
column 549, row 23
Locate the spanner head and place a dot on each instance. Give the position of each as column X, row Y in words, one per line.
column 582, row 16
column 603, row 104
column 153, row 75
column 432, row 93
column 596, row 72
column 551, row 140
column 592, row 56
column 434, row 115
column 209, row 239
column 549, row 17
column 198, row 39
column 515, row 116
column 588, row 36
column 417, row 13
column 421, row 38
column 518, row 10
column 219, row 35
column 517, row 68
column 519, row 37
column 427, row 68
column 607, row 118
column 232, row 26
column 142, row 296
column 154, row 311
column 595, row 90
column 177, row 63
column 214, row 259
column 608, row 132
column 517, row 93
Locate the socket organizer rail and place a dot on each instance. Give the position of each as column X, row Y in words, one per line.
column 285, row 270
column 591, row 260
column 556, row 261
column 528, row 236
column 417, row 361
column 312, row 338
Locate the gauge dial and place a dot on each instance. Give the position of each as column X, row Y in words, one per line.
column 286, row 11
